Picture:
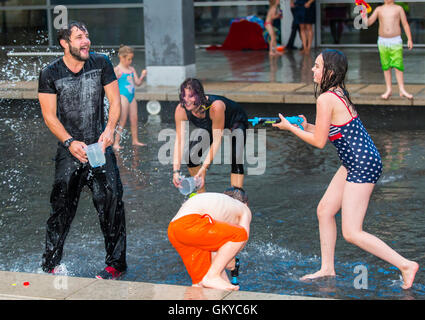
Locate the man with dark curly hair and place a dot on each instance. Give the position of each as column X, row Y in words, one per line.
column 71, row 93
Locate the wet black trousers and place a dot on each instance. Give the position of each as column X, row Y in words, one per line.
column 195, row 148
column 106, row 187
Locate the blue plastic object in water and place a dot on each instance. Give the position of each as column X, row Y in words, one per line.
column 235, row 273
column 267, row 120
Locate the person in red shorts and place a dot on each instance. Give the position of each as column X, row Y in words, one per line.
column 208, row 231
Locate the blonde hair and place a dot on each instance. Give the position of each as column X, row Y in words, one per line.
column 272, row 2
column 125, row 50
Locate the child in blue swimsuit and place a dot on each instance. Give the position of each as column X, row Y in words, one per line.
column 353, row 183
column 127, row 79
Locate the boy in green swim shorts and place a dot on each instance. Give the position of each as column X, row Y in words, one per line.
column 391, row 53
column 390, row 44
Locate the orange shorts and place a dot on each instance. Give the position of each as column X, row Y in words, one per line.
column 195, row 236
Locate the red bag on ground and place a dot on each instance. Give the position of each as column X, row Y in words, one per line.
column 243, row 35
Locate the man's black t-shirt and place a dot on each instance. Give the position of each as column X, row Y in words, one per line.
column 80, row 96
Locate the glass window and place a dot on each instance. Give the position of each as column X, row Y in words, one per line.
column 212, row 23
column 416, row 16
column 111, row 27
column 16, row 3
column 337, row 24
column 23, row 27
column 257, row 2
column 76, row 2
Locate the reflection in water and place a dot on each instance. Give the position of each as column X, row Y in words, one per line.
column 306, row 65
column 398, row 162
column 395, row 152
column 247, row 67
column 131, row 174
column 273, row 67
column 284, row 242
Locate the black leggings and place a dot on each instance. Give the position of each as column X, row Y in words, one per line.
column 106, row 187
column 195, row 152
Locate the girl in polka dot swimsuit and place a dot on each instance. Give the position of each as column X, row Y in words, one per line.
column 356, row 149
column 352, row 185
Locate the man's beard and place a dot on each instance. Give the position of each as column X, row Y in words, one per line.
column 75, row 52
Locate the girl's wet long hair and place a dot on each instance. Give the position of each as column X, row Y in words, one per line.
column 197, row 90
column 335, row 66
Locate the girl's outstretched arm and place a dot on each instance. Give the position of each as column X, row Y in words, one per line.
column 307, row 126
column 180, row 119
column 316, row 135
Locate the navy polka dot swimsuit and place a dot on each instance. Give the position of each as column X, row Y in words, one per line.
column 356, row 150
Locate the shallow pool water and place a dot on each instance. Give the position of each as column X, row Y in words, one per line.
column 284, row 243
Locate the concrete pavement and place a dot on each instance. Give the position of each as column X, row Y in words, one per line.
column 30, row 286
column 249, row 92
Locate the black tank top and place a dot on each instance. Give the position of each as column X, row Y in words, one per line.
column 234, row 114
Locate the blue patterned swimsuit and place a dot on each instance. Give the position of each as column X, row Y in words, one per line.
column 126, row 86
column 356, row 149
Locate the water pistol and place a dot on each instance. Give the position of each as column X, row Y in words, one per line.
column 364, row 3
column 235, row 273
column 268, row 120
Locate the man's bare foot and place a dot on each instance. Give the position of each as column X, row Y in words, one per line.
column 116, row 147
column 409, row 274
column 138, row 143
column 218, row 283
column 318, row 274
column 403, row 93
column 386, row 95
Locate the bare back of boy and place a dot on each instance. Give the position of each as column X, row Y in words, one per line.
column 218, row 206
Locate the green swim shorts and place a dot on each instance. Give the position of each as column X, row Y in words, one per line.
column 391, row 56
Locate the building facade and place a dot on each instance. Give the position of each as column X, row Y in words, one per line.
column 25, row 23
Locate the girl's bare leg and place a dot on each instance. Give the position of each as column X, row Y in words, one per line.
column 121, row 124
column 272, row 44
column 236, row 180
column 328, row 207
column 303, row 35
column 134, row 123
column 309, row 37
column 354, row 206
